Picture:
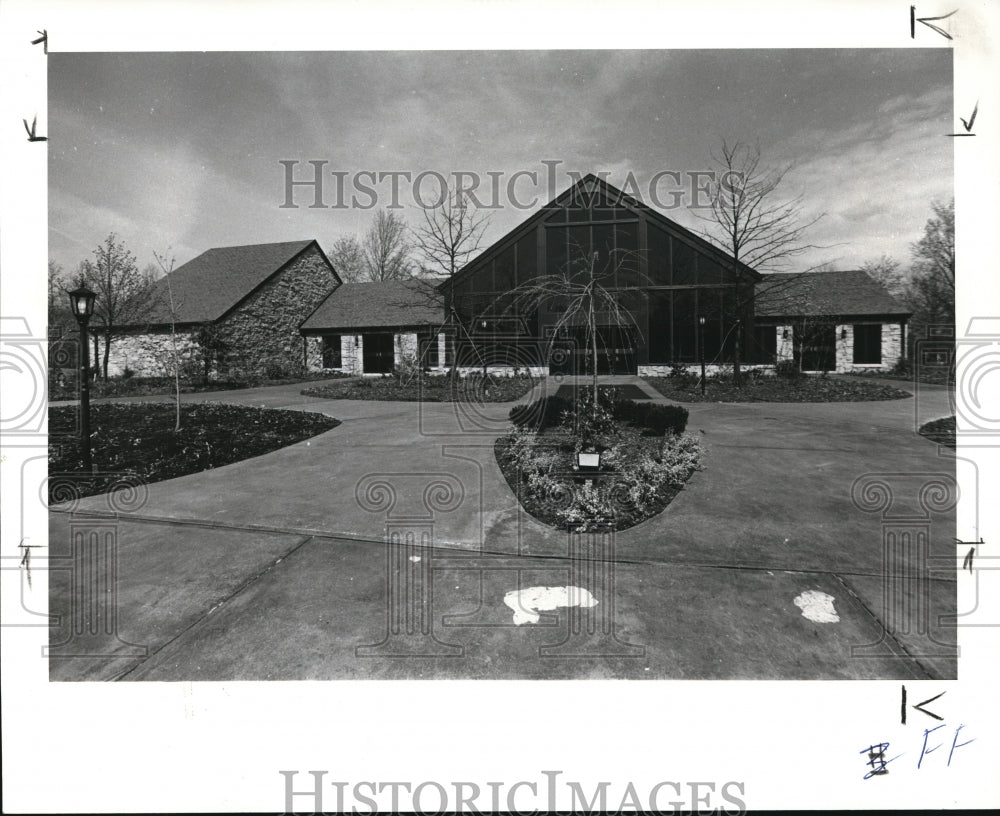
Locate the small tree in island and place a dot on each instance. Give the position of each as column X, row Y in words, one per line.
column 581, row 293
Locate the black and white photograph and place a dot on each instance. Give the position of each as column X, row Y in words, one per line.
column 627, row 381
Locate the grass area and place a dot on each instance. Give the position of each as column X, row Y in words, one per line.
column 441, row 388
column 139, row 439
column 66, row 389
column 805, row 388
column 941, row 431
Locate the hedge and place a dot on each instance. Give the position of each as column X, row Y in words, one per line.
column 547, row 413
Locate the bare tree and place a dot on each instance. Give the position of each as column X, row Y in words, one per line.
column 582, row 292
column 348, row 258
column 123, row 295
column 59, row 314
column 386, row 249
column 886, row 271
column 451, row 234
column 755, row 226
column 168, row 266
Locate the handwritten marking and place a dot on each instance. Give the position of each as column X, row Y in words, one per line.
column 920, row 707
column 972, row 119
column 31, row 131
column 968, row 559
column 44, row 39
column 927, row 22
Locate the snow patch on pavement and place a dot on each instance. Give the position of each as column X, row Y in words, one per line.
column 527, row 603
column 817, row 606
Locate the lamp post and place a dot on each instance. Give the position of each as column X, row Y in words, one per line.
column 81, row 301
column 701, row 351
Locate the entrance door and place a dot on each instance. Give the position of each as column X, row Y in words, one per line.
column 817, row 349
column 377, row 356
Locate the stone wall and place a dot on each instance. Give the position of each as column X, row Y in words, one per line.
column 314, row 353
column 844, row 338
column 711, row 369
column 151, row 354
column 352, row 347
column 892, row 348
column 892, row 344
column 403, row 345
column 785, row 347
column 263, row 333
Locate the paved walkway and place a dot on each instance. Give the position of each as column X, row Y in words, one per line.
column 275, row 567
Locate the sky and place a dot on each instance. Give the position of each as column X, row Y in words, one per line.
column 181, row 152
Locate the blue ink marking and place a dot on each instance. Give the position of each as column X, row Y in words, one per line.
column 877, row 760
column 924, row 750
column 955, row 744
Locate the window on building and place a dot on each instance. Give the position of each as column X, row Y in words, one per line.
column 867, row 343
column 685, row 260
column 659, row 255
column 763, row 345
column 331, row 351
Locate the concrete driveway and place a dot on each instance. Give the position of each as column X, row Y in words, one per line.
column 772, row 563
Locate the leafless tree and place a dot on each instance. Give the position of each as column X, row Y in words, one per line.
column 386, row 249
column 348, row 258
column 583, row 293
column 755, row 225
column 123, row 296
column 451, row 234
column 167, row 266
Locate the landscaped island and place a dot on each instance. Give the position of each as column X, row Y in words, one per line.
column 139, row 440
column 641, row 453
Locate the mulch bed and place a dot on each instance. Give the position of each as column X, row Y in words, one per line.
column 941, row 431
column 807, row 388
column 164, row 386
column 139, row 439
column 426, row 389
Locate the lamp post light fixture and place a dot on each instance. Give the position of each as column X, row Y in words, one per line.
column 81, row 302
column 701, row 350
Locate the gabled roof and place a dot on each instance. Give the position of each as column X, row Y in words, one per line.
column 818, row 294
column 209, row 286
column 385, row 304
column 587, row 186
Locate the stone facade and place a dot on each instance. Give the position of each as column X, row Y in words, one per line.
column 785, row 342
column 263, row 332
column 151, row 354
column 892, row 347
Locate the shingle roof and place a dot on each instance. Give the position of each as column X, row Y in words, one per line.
column 815, row 294
column 207, row 287
column 371, row 305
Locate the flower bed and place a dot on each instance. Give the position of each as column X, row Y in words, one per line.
column 941, row 431
column 645, row 459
